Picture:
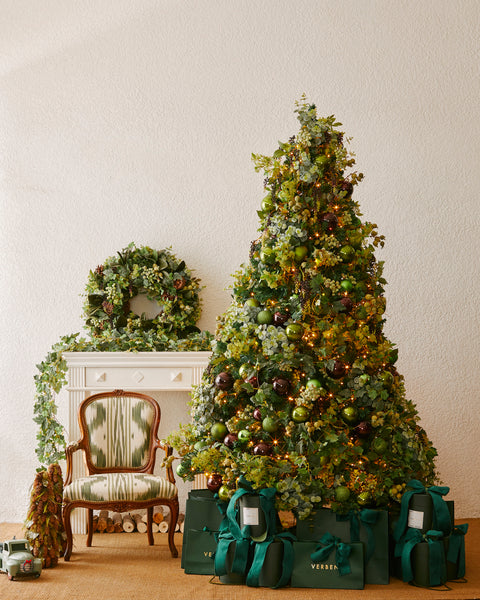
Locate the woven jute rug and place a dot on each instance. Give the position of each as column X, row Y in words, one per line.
column 121, row 566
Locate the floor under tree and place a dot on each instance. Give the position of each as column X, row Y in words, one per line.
column 122, row 566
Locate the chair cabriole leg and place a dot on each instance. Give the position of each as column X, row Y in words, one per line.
column 90, row 527
column 67, row 509
column 173, row 505
column 149, row 525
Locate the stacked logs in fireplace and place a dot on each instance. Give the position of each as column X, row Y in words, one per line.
column 108, row 522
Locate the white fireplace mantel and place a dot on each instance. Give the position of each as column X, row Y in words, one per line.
column 97, row 371
column 91, row 372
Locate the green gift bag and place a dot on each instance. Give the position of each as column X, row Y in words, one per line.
column 318, row 523
column 330, row 564
column 202, row 510
column 371, row 527
column 367, row 526
column 199, row 557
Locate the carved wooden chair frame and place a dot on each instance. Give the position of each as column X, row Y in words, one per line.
column 119, row 506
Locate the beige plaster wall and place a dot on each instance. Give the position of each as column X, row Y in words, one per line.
column 134, row 121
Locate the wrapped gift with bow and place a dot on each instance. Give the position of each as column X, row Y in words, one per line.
column 253, row 509
column 424, row 508
column 250, row 517
column 232, row 557
column 328, row 564
column 272, row 562
column 423, row 558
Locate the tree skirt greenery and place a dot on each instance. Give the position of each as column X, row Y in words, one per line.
column 114, row 328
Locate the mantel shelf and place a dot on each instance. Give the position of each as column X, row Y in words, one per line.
column 96, row 371
column 153, row 359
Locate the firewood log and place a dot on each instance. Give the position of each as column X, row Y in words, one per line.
column 128, row 524
column 102, row 521
column 110, row 525
column 141, row 526
column 163, row 527
column 117, row 522
column 180, row 522
column 158, row 516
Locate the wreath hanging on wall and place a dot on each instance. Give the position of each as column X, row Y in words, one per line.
column 156, row 274
column 111, row 289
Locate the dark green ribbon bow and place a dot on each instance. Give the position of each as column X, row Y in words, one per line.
column 436, row 558
column 456, row 548
column 259, row 559
column 441, row 514
column 367, row 517
column 328, row 543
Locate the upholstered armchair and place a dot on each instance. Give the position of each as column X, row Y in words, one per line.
column 119, row 440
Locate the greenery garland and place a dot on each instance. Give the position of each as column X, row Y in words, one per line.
column 173, row 330
column 156, row 273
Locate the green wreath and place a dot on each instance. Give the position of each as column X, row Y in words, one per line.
column 156, row 273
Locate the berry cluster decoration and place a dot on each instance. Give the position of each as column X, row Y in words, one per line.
column 302, row 392
column 159, row 275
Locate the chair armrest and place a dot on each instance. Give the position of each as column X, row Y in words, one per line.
column 69, row 450
column 168, row 463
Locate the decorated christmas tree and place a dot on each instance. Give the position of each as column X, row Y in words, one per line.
column 301, row 392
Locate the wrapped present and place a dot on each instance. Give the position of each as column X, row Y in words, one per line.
column 198, row 558
column 424, row 509
column 423, row 558
column 232, row 558
column 272, row 562
column 368, row 526
column 250, row 516
column 328, row 564
column 203, row 512
column 455, row 552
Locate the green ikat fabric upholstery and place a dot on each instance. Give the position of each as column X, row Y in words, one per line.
column 119, row 431
column 114, row 487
